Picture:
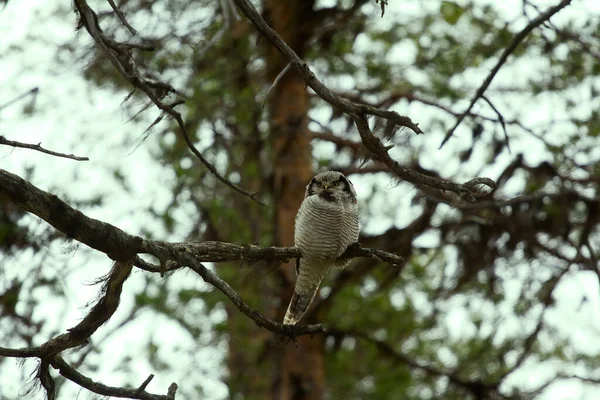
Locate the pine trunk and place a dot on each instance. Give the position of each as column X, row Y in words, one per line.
column 298, row 371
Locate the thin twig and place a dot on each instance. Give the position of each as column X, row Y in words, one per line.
column 37, row 147
column 145, row 384
column 275, row 82
column 96, row 387
column 500, row 119
column 507, row 52
column 32, row 91
column 122, row 17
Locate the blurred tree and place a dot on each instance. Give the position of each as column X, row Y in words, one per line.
column 469, row 312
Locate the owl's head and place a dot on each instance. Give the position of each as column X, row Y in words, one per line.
column 329, row 185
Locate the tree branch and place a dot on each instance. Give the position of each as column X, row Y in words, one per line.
column 122, row 17
column 507, row 52
column 37, row 147
column 311, row 80
column 120, row 56
column 275, row 82
column 119, row 245
column 465, row 191
column 478, row 388
column 358, row 111
column 79, row 334
column 222, row 251
column 130, row 393
column 337, row 140
column 31, row 92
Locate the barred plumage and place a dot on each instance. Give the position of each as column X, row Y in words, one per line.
column 326, row 224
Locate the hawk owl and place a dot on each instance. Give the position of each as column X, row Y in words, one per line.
column 326, row 224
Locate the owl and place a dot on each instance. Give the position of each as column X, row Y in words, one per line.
column 326, row 224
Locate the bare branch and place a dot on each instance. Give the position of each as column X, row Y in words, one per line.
column 311, row 80
column 146, row 382
column 120, row 56
column 33, row 91
column 340, row 141
column 500, row 119
column 222, row 251
column 130, row 393
column 382, row 4
column 37, row 147
column 18, row 353
column 46, row 379
column 260, row 320
column 122, row 17
column 275, row 82
column 507, row 52
column 466, row 191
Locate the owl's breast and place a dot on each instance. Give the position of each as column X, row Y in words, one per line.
column 321, row 226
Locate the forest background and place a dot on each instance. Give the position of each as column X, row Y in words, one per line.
column 496, row 295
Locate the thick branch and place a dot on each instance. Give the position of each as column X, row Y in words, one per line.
column 507, row 52
column 222, row 251
column 101, row 236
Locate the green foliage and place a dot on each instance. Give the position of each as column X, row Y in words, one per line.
column 451, row 12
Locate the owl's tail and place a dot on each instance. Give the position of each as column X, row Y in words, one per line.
column 307, row 285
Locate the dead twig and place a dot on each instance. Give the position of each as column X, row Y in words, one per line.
column 503, row 57
column 122, row 17
column 275, row 82
column 465, row 191
column 37, row 147
column 33, row 91
column 500, row 119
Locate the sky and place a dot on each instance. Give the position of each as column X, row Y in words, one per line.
column 68, row 108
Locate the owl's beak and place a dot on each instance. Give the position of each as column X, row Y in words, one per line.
column 325, row 186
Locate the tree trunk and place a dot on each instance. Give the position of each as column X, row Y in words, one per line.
column 298, row 371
